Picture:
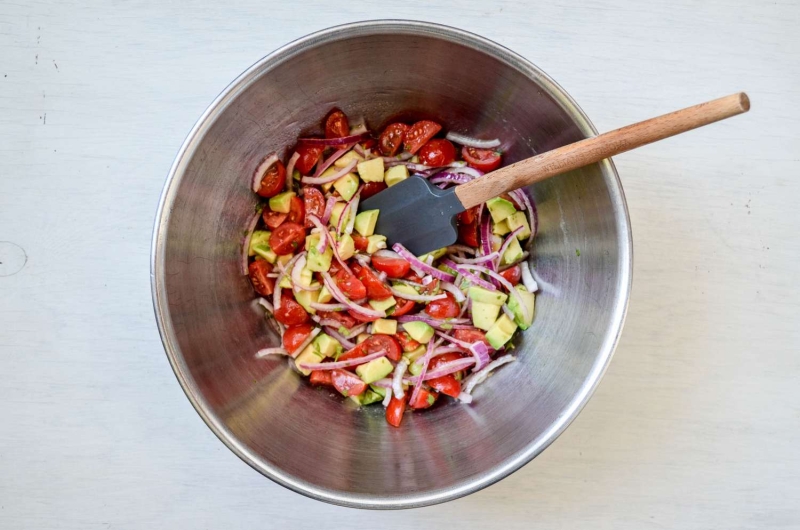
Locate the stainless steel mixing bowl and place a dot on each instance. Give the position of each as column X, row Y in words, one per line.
column 305, row 438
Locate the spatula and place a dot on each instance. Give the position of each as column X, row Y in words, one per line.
column 421, row 216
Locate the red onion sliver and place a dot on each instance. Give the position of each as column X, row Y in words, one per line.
column 397, row 379
column 328, row 307
column 339, row 295
column 263, row 166
column 460, row 248
column 471, row 278
column 452, row 289
column 276, row 295
column 290, row 169
column 417, row 297
column 336, row 176
column 425, row 360
column 511, row 237
column 296, row 270
column 323, row 237
column 326, row 216
column 478, row 260
column 333, row 142
column 445, row 369
column 472, row 142
column 260, row 354
column 343, row 364
column 466, row 170
column 479, row 377
column 464, row 398
column 302, row 346
column 417, row 264
column 352, row 208
column 341, row 338
column 331, row 159
column 251, row 226
column 505, row 283
column 265, row 304
column 527, row 278
column 481, row 353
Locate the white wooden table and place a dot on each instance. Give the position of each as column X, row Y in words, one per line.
column 696, row 424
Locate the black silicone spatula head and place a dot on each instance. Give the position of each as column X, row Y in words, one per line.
column 416, row 214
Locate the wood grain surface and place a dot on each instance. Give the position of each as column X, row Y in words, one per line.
column 695, row 425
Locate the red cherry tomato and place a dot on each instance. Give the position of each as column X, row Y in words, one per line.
column 444, row 358
column 321, row 377
column 287, row 238
column 425, row 398
column 362, row 318
column 393, row 267
column 371, row 188
column 419, row 134
column 512, row 275
column 385, row 343
column 439, row 152
column 340, row 316
column 482, row 159
column 272, row 180
column 468, row 233
column 258, row 271
column 406, row 342
column 297, row 211
column 360, row 242
column 309, row 155
column 359, row 350
column 273, row 219
column 350, row 285
column 468, row 216
column 314, row 204
column 425, row 289
column 403, row 307
column 376, row 289
column 471, row 336
column 336, row 125
column 446, row 384
column 347, row 383
column 295, row 335
column 290, row 313
column 395, row 410
column 444, row 308
column 392, row 138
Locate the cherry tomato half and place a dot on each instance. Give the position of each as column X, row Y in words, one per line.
column 321, row 377
column 406, row 342
column 471, row 336
column 392, row 138
column 482, row 159
column 445, row 358
column 376, row 289
column 314, row 204
column 512, row 275
column 394, row 267
column 347, row 383
column 258, row 271
column 437, row 153
column 395, row 410
column 444, row 308
column 336, row 125
column 273, row 219
column 341, row 317
column 446, row 384
column 371, row 188
column 419, row 134
column 425, row 398
column 272, row 180
column 309, row 155
column 360, row 242
column 350, row 285
column 468, row 227
column 386, row 343
column 297, row 211
column 287, row 238
column 295, row 335
column 403, row 307
column 290, row 313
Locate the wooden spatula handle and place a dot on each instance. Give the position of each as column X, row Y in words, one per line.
column 594, row 149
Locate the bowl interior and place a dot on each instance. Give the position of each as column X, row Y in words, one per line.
column 305, row 437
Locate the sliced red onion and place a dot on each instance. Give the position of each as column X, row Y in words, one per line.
column 397, row 379
column 479, row 377
column 507, row 311
column 417, row 297
column 362, row 259
column 260, row 354
column 357, row 330
column 505, row 283
column 326, row 216
column 466, row 170
column 511, row 237
column 343, row 364
column 445, row 369
column 266, row 305
column 413, row 166
column 326, row 322
column 251, row 226
column 341, row 338
column 388, row 254
column 339, row 295
column 405, row 155
column 448, row 349
column 471, row 278
column 479, row 259
column 290, row 169
column 415, row 285
column 353, row 209
column 433, row 322
column 331, row 159
column 333, row 142
column 302, row 346
column 296, row 270
column 481, row 353
column 446, row 176
column 460, row 248
column 276, row 295
column 452, row 289
column 328, row 307
column 360, row 150
column 386, row 382
column 388, row 398
column 463, row 344
column 335, row 249
column 464, row 307
column 336, row 176
column 417, row 264
column 472, row 142
column 464, row 398
column 427, row 279
column 486, row 232
column 425, row 360
column 527, row 278
column 323, row 238
column 530, row 206
column 263, row 167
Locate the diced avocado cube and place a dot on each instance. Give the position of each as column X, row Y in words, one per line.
column 265, row 252
column 315, row 261
column 365, row 222
column 415, row 354
column 296, row 175
column 362, row 337
column 415, row 368
column 326, row 345
column 346, row 246
column 374, row 370
column 384, row 326
column 286, row 282
column 479, row 294
column 435, row 253
column 378, row 390
column 336, row 213
column 395, row 175
column 367, row 398
column 515, row 221
column 501, row 332
column 306, row 277
column 501, row 228
column 405, row 288
column 325, row 295
column 484, row 315
column 528, row 299
column 282, row 202
column 513, row 253
column 371, row 170
column 383, row 305
column 500, row 209
column 497, row 242
column 283, row 260
column 258, row 238
column 344, row 161
column 347, row 186
column 419, row 331
column 375, row 243
column 307, row 356
column 414, row 159
column 306, row 298
column 329, row 173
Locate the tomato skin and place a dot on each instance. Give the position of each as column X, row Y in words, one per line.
column 290, row 313
column 309, row 155
column 273, row 219
column 362, row 318
column 340, row 316
column 347, row 383
column 438, row 152
column 422, row 401
column 272, row 180
column 512, row 275
column 287, row 238
column 314, row 204
column 297, row 211
column 258, row 271
column 445, row 358
column 468, row 216
column 321, row 377
column 350, row 285
column 392, row 138
column 468, row 233
column 376, row 289
column 387, row 343
column 395, row 410
column 471, row 336
column 372, row 188
column 403, row 307
column 419, row 134
column 295, row 335
column 446, row 384
column 425, row 289
column 393, row 267
column 360, row 242
column 484, row 160
column 406, row 342
column 336, row 125
column 444, row 308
